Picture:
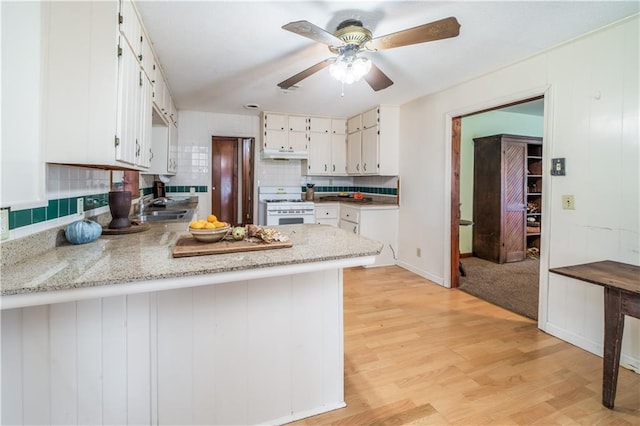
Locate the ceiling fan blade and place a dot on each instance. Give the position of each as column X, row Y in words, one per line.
column 437, row 30
column 377, row 79
column 309, row 30
column 306, row 73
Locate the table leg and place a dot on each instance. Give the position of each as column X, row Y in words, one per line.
column 613, row 329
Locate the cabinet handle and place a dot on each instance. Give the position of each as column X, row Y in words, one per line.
column 150, row 154
column 364, row 167
column 355, row 229
column 325, row 167
column 334, row 167
column 358, row 167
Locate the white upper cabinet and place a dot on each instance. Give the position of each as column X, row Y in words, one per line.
column 284, row 136
column 338, row 146
column 319, row 162
column 130, row 26
column 298, row 123
column 23, row 63
column 377, row 138
column 370, row 119
column 97, row 85
column 354, row 153
column 319, row 125
column 327, row 146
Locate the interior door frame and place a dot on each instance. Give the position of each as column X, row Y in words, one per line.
column 244, row 148
column 456, row 135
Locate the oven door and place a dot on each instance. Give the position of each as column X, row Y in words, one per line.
column 283, row 218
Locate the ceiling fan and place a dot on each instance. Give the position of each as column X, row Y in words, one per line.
column 351, row 38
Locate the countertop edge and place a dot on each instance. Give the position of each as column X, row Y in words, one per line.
column 22, row 300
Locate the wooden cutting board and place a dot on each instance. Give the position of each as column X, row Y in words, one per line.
column 188, row 246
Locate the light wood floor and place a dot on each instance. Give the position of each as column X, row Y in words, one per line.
column 417, row 353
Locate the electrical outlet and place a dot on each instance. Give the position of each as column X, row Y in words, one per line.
column 192, row 190
column 419, row 252
column 80, row 209
column 568, row 202
column 4, row 224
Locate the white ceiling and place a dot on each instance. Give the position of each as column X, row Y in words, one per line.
column 219, row 56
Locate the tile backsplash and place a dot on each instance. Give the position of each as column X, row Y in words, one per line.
column 66, row 184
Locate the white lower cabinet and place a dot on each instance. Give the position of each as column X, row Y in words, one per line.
column 328, row 214
column 256, row 351
column 379, row 224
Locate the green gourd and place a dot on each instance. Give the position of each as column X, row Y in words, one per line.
column 82, row 231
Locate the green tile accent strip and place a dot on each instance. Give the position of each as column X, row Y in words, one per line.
column 55, row 209
column 363, row 189
column 187, row 188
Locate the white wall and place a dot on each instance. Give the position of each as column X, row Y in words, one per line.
column 591, row 119
column 486, row 124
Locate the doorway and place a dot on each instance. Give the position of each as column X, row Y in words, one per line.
column 232, row 165
column 524, row 117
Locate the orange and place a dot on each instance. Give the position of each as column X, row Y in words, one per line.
column 212, row 218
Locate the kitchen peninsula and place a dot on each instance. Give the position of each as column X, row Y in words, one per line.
column 118, row 331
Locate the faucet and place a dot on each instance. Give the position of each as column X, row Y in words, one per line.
column 142, row 203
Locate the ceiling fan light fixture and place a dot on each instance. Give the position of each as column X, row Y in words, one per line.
column 349, row 68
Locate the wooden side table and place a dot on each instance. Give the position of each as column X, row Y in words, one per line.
column 621, row 284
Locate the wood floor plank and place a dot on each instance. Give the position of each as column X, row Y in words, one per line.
column 420, row 354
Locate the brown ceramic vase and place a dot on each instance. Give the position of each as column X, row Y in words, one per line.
column 119, row 205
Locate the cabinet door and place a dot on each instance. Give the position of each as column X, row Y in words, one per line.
column 145, row 120
column 381, row 225
column 354, row 146
column 130, row 26
column 159, row 92
column 319, row 162
column 147, row 60
column 349, row 226
column 128, row 107
column 319, row 125
column 275, row 121
column 338, row 126
column 297, row 141
column 275, row 139
column 172, row 162
column 354, row 124
column 298, row 123
column 370, row 118
column 370, row 158
column 338, row 154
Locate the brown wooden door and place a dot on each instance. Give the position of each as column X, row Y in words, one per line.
column 224, row 186
column 514, row 163
column 232, row 179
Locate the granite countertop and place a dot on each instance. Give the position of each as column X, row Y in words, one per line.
column 146, row 256
column 366, row 203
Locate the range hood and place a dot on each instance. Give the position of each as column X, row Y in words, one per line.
column 276, row 154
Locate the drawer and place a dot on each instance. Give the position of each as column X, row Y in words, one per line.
column 350, row 214
column 326, row 212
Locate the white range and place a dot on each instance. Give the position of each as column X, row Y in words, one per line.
column 283, row 205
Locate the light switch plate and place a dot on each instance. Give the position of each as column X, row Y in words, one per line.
column 80, row 209
column 558, row 167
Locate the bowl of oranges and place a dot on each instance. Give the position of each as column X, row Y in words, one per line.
column 210, row 230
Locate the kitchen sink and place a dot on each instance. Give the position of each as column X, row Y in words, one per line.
column 164, row 216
